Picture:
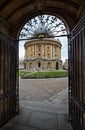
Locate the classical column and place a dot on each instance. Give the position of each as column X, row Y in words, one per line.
column 34, row 50
column 52, row 50
column 44, row 50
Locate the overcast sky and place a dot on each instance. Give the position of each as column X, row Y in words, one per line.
column 64, row 50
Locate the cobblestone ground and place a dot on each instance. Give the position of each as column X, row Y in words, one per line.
column 41, row 89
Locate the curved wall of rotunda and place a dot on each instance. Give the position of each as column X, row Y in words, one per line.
column 43, row 54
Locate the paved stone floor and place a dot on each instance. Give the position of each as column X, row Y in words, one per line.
column 43, row 105
column 41, row 89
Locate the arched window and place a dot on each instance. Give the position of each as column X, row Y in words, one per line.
column 55, row 48
column 48, row 48
column 48, row 55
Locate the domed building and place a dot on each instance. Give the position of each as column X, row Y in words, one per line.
column 43, row 54
column 42, row 50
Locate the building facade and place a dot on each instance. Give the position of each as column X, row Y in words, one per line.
column 65, row 65
column 43, row 54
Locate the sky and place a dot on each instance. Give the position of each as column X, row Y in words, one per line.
column 64, row 49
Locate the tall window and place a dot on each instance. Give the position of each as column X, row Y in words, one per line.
column 31, row 48
column 30, row 65
column 48, row 48
column 48, row 55
column 48, row 65
column 55, row 48
column 55, row 55
column 31, row 55
column 39, row 47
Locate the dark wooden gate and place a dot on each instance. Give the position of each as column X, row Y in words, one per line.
column 8, row 78
column 76, row 50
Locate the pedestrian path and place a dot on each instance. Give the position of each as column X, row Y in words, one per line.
column 38, row 119
column 48, row 115
column 44, row 113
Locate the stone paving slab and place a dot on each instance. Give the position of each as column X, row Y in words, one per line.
column 38, row 120
column 43, row 120
column 22, row 118
column 63, row 122
column 45, row 107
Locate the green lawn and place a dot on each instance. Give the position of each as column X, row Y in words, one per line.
column 44, row 74
column 22, row 73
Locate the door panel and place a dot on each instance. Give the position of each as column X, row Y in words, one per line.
column 76, row 51
column 8, row 79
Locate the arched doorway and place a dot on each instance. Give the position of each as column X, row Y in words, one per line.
column 39, row 64
column 30, row 65
column 56, row 65
column 48, row 65
column 72, row 100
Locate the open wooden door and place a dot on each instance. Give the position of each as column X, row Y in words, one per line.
column 8, row 78
column 76, row 50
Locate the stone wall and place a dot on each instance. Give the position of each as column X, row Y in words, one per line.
column 4, row 26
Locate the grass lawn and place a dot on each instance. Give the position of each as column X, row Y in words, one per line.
column 23, row 73
column 44, row 74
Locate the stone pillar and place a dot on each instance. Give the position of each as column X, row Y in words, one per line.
column 34, row 50
column 52, row 50
column 44, row 50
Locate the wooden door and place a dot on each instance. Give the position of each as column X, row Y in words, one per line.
column 8, row 78
column 76, row 51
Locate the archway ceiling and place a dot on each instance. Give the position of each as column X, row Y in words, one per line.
column 17, row 11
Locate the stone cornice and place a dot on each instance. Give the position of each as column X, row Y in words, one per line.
column 44, row 41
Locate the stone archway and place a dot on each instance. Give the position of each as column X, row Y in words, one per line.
column 12, row 17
